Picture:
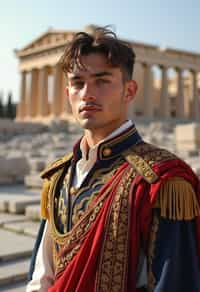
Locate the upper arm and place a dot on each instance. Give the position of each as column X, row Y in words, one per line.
column 173, row 263
column 42, row 271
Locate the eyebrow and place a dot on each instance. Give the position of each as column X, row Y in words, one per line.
column 98, row 74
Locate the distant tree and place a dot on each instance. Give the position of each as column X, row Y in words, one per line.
column 1, row 105
column 10, row 110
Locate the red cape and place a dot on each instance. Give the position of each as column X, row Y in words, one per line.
column 80, row 274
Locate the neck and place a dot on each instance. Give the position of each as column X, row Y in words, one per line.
column 93, row 137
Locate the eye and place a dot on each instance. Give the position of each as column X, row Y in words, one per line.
column 78, row 84
column 102, row 81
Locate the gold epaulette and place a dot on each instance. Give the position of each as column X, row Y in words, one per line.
column 46, row 175
column 177, row 200
column 55, row 165
column 44, row 199
column 142, row 167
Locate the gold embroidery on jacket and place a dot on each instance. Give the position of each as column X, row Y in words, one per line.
column 114, row 255
column 104, row 175
column 71, row 241
column 144, row 156
column 151, row 251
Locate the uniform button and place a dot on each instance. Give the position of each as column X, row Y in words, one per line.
column 73, row 191
column 107, row 152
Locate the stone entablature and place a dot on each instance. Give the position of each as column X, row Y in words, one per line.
column 39, row 61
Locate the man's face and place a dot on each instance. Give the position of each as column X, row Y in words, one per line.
column 98, row 95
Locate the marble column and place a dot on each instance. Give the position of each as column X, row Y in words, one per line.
column 66, row 107
column 148, row 99
column 164, row 96
column 33, row 95
column 195, row 98
column 180, row 95
column 43, row 106
column 57, row 91
column 21, row 110
column 136, row 107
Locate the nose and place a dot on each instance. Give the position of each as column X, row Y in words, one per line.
column 88, row 93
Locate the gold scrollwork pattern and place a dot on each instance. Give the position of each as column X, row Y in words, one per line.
column 114, row 255
column 144, row 156
column 152, row 154
column 103, row 177
column 70, row 243
column 151, row 250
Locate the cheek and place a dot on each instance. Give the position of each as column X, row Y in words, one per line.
column 73, row 97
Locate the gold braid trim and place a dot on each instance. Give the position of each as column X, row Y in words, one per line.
column 177, row 200
column 151, row 251
column 46, row 175
column 44, row 199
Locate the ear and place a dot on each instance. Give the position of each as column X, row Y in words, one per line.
column 130, row 91
column 67, row 91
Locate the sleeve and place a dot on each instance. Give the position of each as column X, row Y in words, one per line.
column 41, row 275
column 173, row 263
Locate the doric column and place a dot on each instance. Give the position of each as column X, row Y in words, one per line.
column 137, row 108
column 164, row 97
column 21, row 110
column 148, row 99
column 66, row 108
column 195, row 98
column 57, row 91
column 180, row 95
column 43, row 106
column 33, row 94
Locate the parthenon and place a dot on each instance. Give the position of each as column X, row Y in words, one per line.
column 168, row 80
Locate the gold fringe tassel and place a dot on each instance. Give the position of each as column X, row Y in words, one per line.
column 44, row 199
column 177, row 200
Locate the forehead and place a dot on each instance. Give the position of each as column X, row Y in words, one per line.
column 92, row 64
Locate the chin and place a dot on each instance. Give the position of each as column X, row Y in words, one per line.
column 87, row 124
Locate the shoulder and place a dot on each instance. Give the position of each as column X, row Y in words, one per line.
column 176, row 197
column 144, row 156
column 56, row 165
column 46, row 175
column 178, row 200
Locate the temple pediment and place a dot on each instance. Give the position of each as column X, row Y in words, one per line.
column 50, row 38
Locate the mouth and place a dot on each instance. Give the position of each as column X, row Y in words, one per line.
column 89, row 108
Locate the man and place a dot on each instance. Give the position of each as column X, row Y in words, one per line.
column 119, row 214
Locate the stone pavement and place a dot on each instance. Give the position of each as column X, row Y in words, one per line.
column 17, row 233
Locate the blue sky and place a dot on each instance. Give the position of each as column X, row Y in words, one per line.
column 167, row 23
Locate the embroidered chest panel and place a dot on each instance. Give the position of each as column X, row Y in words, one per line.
column 68, row 205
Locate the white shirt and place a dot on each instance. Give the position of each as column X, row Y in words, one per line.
column 43, row 275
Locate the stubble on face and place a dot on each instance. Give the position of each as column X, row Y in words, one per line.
column 102, row 108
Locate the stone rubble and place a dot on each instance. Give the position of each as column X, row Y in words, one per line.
column 24, row 152
column 28, row 148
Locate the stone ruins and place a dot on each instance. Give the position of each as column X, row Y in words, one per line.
column 166, row 112
column 168, row 79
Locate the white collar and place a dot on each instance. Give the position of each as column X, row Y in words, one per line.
column 93, row 150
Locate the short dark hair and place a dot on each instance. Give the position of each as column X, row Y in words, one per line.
column 103, row 41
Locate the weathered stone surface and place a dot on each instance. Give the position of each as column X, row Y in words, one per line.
column 13, row 272
column 13, row 170
column 5, row 199
column 24, row 227
column 58, row 125
column 36, row 164
column 8, row 218
column 32, row 212
column 11, row 193
column 20, row 286
column 9, row 128
column 18, row 205
column 14, row 245
column 188, row 136
column 33, row 181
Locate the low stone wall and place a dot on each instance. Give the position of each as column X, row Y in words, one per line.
column 33, row 146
